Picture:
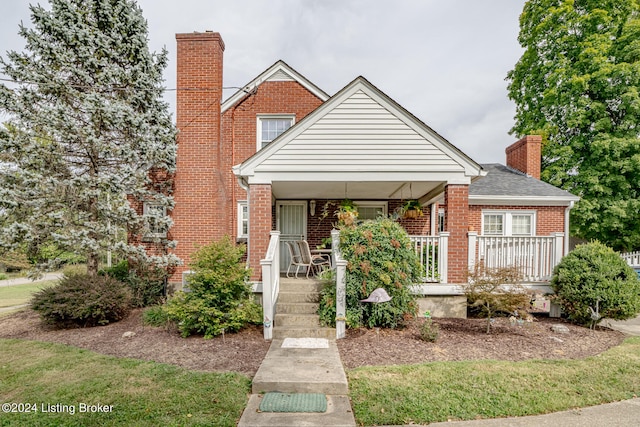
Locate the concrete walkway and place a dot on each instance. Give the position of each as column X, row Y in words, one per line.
column 25, row 280
column 301, row 365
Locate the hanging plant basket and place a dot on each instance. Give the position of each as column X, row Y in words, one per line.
column 412, row 209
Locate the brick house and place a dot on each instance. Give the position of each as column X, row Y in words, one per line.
column 280, row 150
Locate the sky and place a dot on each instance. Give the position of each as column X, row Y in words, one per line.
column 443, row 60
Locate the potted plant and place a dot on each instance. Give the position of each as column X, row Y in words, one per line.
column 412, row 209
column 347, row 212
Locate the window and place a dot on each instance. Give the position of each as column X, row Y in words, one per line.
column 441, row 220
column 520, row 223
column 154, row 214
column 243, row 219
column 371, row 210
column 270, row 127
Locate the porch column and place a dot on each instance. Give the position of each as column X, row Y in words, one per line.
column 259, row 226
column 456, row 199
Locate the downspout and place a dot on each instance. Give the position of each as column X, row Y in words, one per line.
column 566, row 227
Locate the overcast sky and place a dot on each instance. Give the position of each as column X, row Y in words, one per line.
column 443, row 60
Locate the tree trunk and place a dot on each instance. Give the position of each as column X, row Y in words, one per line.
column 92, row 264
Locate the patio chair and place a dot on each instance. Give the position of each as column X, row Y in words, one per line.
column 313, row 262
column 294, row 257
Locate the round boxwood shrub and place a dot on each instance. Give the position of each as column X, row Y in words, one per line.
column 594, row 275
column 379, row 255
column 83, row 300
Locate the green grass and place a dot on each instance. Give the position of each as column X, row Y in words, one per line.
column 141, row 393
column 21, row 294
column 441, row 391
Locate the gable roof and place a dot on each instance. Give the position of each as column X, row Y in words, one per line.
column 362, row 131
column 503, row 185
column 280, row 71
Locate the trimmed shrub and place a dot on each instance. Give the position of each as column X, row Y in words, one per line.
column 220, row 298
column 593, row 275
column 83, row 300
column 379, row 255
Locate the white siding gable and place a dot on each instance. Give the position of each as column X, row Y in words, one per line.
column 361, row 134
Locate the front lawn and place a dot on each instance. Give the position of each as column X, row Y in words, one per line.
column 441, row 391
column 21, row 294
column 52, row 376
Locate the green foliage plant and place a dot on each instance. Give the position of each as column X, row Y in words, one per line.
column 495, row 291
column 83, row 300
column 146, row 281
column 219, row 298
column 594, row 276
column 379, row 255
column 155, row 315
column 429, row 331
column 578, row 85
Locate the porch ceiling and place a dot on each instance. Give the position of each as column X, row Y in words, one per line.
column 372, row 190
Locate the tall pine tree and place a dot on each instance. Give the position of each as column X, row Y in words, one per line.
column 578, row 84
column 87, row 132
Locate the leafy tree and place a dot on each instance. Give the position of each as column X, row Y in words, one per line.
column 577, row 84
column 87, row 130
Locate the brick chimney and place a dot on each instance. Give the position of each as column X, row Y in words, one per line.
column 197, row 190
column 525, row 155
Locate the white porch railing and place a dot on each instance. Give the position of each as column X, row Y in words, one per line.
column 341, row 286
column 433, row 251
column 270, row 283
column 535, row 256
column 632, row 258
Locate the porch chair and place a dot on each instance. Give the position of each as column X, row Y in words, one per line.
column 312, row 262
column 294, row 257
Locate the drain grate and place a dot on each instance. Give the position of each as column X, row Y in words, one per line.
column 293, row 402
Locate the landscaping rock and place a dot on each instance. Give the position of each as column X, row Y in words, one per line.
column 129, row 334
column 559, row 328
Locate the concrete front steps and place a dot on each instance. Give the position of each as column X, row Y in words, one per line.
column 296, row 310
column 300, row 370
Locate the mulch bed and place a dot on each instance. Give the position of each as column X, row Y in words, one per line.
column 459, row 339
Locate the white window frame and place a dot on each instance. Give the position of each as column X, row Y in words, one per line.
column 384, row 206
column 242, row 220
column 261, row 118
column 146, row 211
column 507, row 221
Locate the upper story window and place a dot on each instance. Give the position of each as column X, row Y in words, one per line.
column 270, row 127
column 505, row 223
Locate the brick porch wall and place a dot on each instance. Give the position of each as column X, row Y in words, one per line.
column 260, row 222
column 456, row 201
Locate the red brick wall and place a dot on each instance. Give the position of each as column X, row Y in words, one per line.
column 456, row 201
column 198, row 190
column 239, row 127
column 549, row 219
column 524, row 155
column 260, row 224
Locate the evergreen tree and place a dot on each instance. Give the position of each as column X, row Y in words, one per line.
column 577, row 84
column 87, row 132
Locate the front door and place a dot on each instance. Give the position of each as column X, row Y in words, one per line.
column 291, row 221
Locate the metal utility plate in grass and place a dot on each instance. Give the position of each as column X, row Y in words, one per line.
column 293, row 402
